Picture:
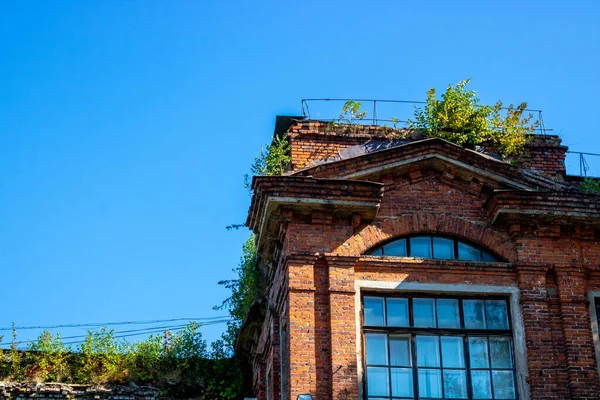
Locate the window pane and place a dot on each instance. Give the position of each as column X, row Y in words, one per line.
column 447, row 313
column 455, row 384
column 428, row 354
column 397, row 312
column 466, row 252
column 443, row 248
column 430, row 383
column 424, row 313
column 420, row 246
column 480, row 382
column 377, row 382
column 377, row 349
column 485, row 256
column 496, row 314
column 504, row 385
column 478, row 352
column 400, row 351
column 453, row 355
column 373, row 308
column 397, row 248
column 378, row 252
column 473, row 310
column 500, row 352
column 402, row 383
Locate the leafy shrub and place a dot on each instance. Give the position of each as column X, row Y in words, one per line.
column 178, row 363
column 460, row 118
column 590, row 185
column 50, row 357
column 274, row 159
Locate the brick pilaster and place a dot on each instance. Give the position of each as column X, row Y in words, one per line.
column 538, row 333
column 579, row 344
column 301, row 306
column 344, row 383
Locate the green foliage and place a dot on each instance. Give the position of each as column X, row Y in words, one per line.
column 590, row 185
column 350, row 117
column 248, row 287
column 178, row 363
column 351, row 113
column 16, row 368
column 51, row 357
column 102, row 358
column 274, row 159
column 460, row 118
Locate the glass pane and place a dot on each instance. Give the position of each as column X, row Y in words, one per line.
column 377, row 381
column 480, row 382
column 397, row 312
column 455, row 384
column 424, row 313
column 377, row 252
column 453, row 355
column 400, row 351
column 473, row 310
column 443, row 248
column 373, row 308
column 420, row 246
column 377, row 349
column 466, row 252
column 402, row 383
column 496, row 314
column 478, row 352
column 504, row 384
column 500, row 352
column 397, row 248
column 430, row 383
column 485, row 256
column 447, row 313
column 428, row 354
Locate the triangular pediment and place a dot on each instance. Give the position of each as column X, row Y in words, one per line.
column 433, row 154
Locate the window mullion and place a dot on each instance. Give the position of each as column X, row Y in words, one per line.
column 389, row 362
column 413, row 351
column 441, row 365
column 490, row 371
column 468, row 366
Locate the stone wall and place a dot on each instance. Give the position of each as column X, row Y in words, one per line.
column 58, row 391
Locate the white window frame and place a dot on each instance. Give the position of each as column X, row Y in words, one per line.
column 520, row 348
column 592, row 296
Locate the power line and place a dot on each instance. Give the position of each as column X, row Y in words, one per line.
column 129, row 333
column 146, row 322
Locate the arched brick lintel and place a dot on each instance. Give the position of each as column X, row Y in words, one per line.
column 426, row 223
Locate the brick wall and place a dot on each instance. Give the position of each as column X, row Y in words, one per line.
column 552, row 259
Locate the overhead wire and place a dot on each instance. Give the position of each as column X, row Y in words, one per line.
column 145, row 322
column 129, row 332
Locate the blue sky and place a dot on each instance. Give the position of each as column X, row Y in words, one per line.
column 126, row 126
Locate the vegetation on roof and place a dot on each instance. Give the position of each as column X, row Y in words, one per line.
column 590, row 185
column 460, row 118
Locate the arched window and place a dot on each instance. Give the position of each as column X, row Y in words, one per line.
column 427, row 246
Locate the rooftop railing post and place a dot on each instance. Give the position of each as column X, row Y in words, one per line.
column 374, row 112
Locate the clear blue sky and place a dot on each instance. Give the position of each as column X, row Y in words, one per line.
column 126, row 126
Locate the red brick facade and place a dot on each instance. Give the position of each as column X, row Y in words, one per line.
column 316, row 225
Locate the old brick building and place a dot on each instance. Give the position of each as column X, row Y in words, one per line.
column 404, row 269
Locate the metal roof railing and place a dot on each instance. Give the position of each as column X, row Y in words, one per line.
column 374, row 108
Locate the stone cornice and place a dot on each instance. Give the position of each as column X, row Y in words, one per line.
column 560, row 207
column 274, row 194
